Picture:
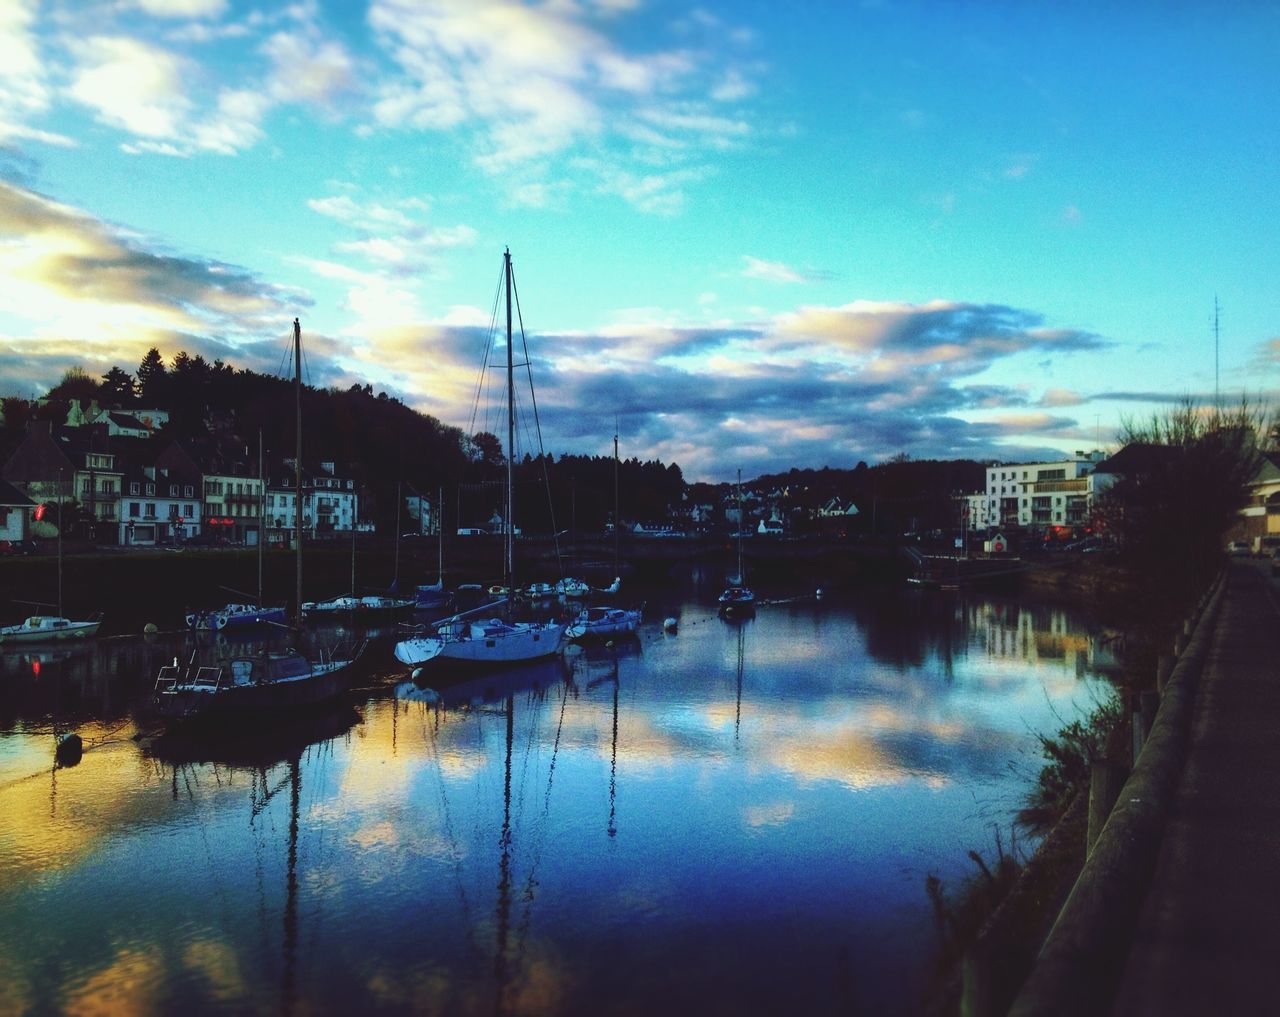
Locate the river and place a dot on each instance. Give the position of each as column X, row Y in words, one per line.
column 736, row 818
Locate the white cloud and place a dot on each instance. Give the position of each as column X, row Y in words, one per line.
column 131, row 85
column 308, row 69
column 24, row 92
column 770, row 271
column 182, row 8
column 542, row 90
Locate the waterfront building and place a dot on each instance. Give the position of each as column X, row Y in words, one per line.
column 330, row 503
column 15, row 513
column 1038, row 496
column 232, row 502
column 1259, row 519
column 161, row 502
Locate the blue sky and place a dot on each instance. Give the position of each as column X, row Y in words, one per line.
column 754, row 235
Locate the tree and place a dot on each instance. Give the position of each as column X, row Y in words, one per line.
column 75, row 384
column 118, row 387
column 152, row 378
column 487, row 449
column 1183, row 478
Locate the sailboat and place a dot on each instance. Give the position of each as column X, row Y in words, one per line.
column 269, row 682
column 738, row 597
column 240, row 615
column 44, row 628
column 433, row 596
column 353, row 603
column 605, row 622
column 487, row 641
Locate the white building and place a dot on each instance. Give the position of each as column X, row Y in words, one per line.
column 158, row 506
column 330, row 505
column 1038, row 495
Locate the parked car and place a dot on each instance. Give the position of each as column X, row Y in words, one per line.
column 1238, row 548
column 18, row 547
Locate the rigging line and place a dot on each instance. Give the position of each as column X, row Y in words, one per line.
column 219, row 890
column 455, row 855
column 522, row 929
column 488, row 347
column 258, row 851
column 537, row 424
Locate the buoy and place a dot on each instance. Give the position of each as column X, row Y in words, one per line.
column 818, row 593
column 70, row 749
column 670, row 625
column 150, row 628
column 416, row 673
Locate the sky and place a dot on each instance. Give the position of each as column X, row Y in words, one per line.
column 745, row 235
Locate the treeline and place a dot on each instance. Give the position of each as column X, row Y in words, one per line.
column 900, row 495
column 219, row 411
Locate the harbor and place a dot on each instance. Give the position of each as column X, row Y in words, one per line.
column 750, row 807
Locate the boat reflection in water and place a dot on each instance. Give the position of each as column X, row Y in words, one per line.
column 262, row 752
column 735, row 818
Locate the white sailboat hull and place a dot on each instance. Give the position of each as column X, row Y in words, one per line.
column 48, row 629
column 483, row 643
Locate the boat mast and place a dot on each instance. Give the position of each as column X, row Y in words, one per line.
column 616, row 520
column 439, row 536
column 395, row 575
column 511, row 436
column 297, row 464
column 742, row 580
column 61, row 497
column 262, row 512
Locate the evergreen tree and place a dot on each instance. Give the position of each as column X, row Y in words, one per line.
column 152, row 378
column 118, row 387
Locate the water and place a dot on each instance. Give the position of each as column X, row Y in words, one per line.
column 735, row 819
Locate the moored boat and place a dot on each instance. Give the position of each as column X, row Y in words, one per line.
column 250, row 685
column 487, row 642
column 604, row 622
column 236, row 616
column 492, row 641
column 45, row 628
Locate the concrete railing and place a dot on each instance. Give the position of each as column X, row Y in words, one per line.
column 1080, row 965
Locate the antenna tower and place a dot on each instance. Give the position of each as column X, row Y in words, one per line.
column 1217, row 398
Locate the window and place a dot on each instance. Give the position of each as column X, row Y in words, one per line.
column 149, row 510
column 134, row 509
column 108, row 487
column 188, row 511
column 151, row 490
column 173, row 490
column 133, row 487
column 186, row 490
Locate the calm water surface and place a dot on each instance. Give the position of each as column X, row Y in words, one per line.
column 735, row 819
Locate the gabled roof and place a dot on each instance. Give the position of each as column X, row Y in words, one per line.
column 127, row 420
column 1138, row 457
column 11, row 497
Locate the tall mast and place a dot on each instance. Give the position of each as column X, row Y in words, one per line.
column 395, row 575
column 61, row 497
column 297, row 465
column 741, row 578
column 616, row 520
column 511, row 435
column 1217, row 398
column 262, row 512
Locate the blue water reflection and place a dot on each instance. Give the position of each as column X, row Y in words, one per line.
column 738, row 818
